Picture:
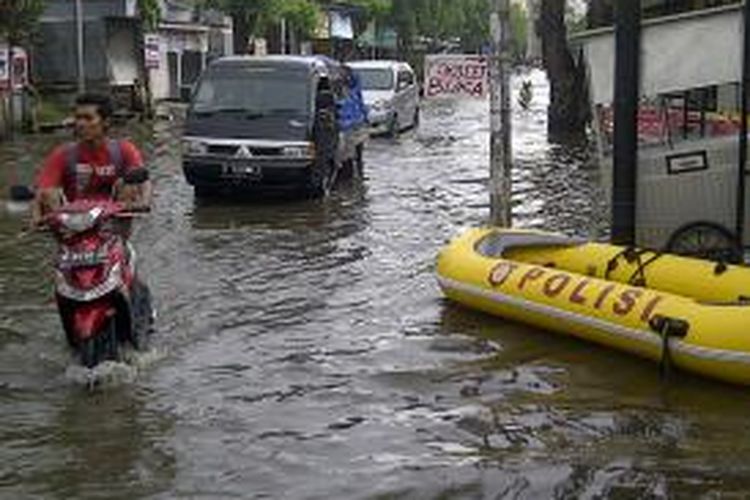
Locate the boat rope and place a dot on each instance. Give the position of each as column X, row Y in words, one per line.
column 668, row 328
column 631, row 255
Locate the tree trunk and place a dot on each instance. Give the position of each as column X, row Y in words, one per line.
column 240, row 32
column 147, row 95
column 568, row 110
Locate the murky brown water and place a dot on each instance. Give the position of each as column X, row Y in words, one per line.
column 305, row 351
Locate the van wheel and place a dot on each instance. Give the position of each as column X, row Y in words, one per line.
column 101, row 347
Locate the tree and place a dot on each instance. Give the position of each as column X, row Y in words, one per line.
column 444, row 20
column 254, row 17
column 568, row 112
column 374, row 9
column 18, row 19
column 519, row 25
column 150, row 13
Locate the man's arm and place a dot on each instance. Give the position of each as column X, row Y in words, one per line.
column 49, row 184
column 135, row 196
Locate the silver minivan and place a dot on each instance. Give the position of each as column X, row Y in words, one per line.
column 391, row 93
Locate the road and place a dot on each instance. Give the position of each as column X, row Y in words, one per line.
column 304, row 349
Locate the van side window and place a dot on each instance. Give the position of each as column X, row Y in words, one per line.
column 405, row 79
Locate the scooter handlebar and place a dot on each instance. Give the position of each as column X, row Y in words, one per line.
column 133, row 212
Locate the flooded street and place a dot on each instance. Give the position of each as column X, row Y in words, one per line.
column 304, row 350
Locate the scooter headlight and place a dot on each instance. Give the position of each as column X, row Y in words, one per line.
column 77, row 222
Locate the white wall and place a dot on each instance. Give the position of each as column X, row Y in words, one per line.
column 692, row 50
column 121, row 57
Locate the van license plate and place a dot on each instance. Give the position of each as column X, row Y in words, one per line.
column 240, row 170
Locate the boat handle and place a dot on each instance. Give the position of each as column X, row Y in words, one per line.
column 668, row 328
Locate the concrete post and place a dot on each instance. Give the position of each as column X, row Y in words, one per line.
column 501, row 155
column 79, row 47
column 742, row 172
column 627, row 85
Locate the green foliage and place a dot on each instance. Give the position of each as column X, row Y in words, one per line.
column 467, row 20
column 259, row 15
column 18, row 19
column 519, row 25
column 150, row 13
column 374, row 9
column 301, row 14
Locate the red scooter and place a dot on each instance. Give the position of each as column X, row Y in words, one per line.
column 102, row 304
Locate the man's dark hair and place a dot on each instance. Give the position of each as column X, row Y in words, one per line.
column 102, row 102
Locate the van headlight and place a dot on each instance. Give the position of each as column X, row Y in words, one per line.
column 381, row 105
column 194, row 147
column 301, row 151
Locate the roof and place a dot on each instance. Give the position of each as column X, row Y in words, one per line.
column 281, row 61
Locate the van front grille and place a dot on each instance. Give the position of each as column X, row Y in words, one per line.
column 232, row 150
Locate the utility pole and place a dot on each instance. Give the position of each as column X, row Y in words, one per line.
column 11, row 87
column 741, row 197
column 501, row 155
column 627, row 89
column 282, row 36
column 79, row 46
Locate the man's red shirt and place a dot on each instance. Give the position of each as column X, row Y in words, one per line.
column 95, row 171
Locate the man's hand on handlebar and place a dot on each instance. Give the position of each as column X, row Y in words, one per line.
column 134, row 191
column 45, row 201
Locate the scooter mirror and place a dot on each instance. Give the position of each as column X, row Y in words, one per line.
column 21, row 193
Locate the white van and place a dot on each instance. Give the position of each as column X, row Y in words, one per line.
column 391, row 93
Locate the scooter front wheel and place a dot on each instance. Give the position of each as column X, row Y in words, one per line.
column 101, row 347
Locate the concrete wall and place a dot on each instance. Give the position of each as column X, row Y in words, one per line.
column 55, row 53
column 191, row 48
column 123, row 58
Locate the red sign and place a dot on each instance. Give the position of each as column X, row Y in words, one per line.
column 456, row 76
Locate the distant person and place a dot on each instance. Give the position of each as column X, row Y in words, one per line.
column 525, row 95
column 352, row 109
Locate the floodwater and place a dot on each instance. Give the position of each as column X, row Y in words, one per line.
column 304, row 350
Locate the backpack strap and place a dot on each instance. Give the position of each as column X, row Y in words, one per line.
column 71, row 168
column 114, row 149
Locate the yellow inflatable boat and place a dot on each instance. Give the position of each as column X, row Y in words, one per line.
column 691, row 313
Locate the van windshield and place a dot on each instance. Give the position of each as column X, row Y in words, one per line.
column 375, row 79
column 253, row 91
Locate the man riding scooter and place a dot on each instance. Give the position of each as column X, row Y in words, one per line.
column 95, row 170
